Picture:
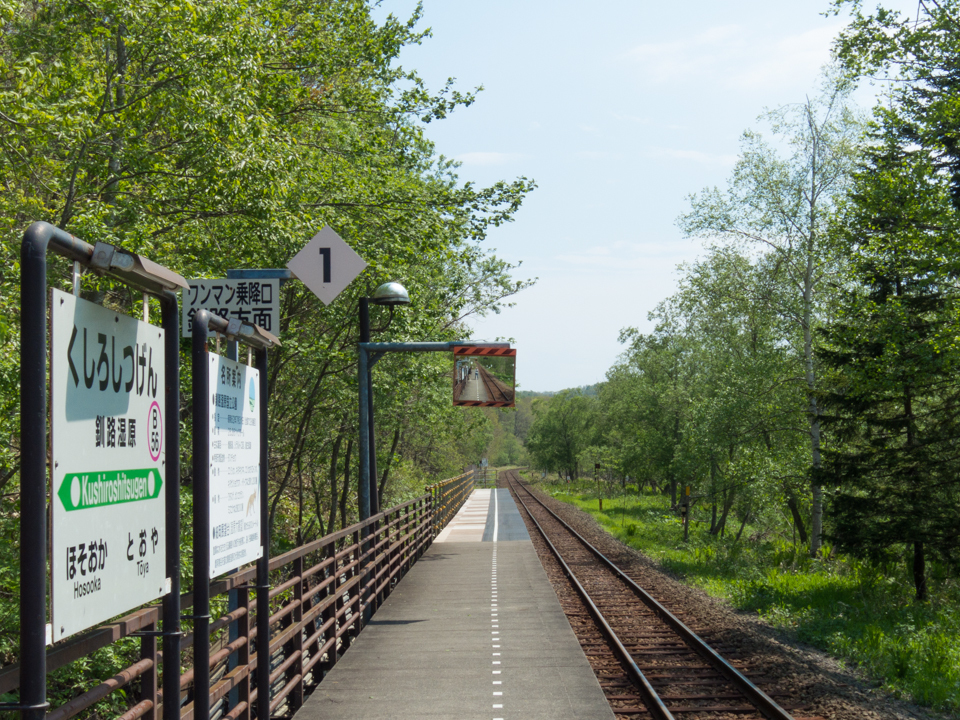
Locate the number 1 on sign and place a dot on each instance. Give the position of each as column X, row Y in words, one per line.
column 325, row 254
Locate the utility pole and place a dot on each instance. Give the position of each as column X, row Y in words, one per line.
column 596, row 475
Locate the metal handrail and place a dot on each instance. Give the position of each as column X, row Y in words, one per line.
column 448, row 497
column 321, row 596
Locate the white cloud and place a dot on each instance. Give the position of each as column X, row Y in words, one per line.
column 647, row 122
column 623, row 255
column 596, row 155
column 693, row 156
column 486, row 158
column 736, row 57
column 680, row 59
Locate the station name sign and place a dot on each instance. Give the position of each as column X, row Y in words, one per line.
column 108, row 553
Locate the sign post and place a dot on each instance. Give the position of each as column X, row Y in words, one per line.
column 230, row 507
column 251, row 275
column 143, row 274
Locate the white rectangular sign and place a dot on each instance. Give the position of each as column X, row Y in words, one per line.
column 234, row 407
column 257, row 301
column 108, row 552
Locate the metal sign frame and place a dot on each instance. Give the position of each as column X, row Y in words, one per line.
column 369, row 353
column 143, row 274
column 203, row 323
column 108, row 470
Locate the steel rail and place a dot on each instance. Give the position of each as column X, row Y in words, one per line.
column 650, row 696
column 765, row 704
column 490, row 382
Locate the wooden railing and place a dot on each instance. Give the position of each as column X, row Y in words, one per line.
column 321, row 596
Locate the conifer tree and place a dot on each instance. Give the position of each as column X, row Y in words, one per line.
column 891, row 396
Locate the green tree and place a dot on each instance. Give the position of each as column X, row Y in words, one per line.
column 891, row 395
column 781, row 206
column 645, row 400
column 741, row 443
column 220, row 134
column 562, row 428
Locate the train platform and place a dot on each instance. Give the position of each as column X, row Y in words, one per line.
column 473, row 632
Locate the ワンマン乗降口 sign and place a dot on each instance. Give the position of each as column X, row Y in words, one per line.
column 255, row 301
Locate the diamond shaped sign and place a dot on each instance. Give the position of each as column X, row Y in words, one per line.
column 326, row 265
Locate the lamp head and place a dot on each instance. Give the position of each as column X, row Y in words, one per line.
column 391, row 293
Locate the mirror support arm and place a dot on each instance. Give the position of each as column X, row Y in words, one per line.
column 370, row 353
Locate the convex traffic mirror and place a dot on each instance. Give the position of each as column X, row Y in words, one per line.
column 484, row 376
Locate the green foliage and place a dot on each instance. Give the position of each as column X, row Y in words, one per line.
column 891, row 348
column 781, row 206
column 561, row 431
column 892, row 355
column 720, row 396
column 220, row 134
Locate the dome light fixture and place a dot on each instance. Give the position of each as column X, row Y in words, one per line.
column 391, row 293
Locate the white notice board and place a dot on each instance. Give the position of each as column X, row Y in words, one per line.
column 108, row 546
column 234, row 406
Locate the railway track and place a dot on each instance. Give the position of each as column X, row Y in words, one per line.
column 648, row 662
column 496, row 391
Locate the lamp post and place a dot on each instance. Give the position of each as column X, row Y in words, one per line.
column 389, row 294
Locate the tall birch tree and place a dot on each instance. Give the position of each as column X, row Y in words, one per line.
column 778, row 202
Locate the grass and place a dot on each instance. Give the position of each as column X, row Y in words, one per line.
column 860, row 612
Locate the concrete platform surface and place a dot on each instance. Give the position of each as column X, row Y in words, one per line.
column 473, row 632
column 486, row 516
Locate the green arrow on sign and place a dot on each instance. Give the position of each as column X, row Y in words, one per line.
column 82, row 491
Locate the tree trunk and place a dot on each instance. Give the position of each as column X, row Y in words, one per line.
column 346, row 485
column 116, row 141
column 300, row 500
column 919, row 558
column 797, row 517
column 386, row 469
column 727, row 504
column 816, row 492
column 746, row 518
column 713, row 518
column 335, row 456
column 318, row 506
column 920, row 571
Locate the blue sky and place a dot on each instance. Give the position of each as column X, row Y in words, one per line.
column 619, row 110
